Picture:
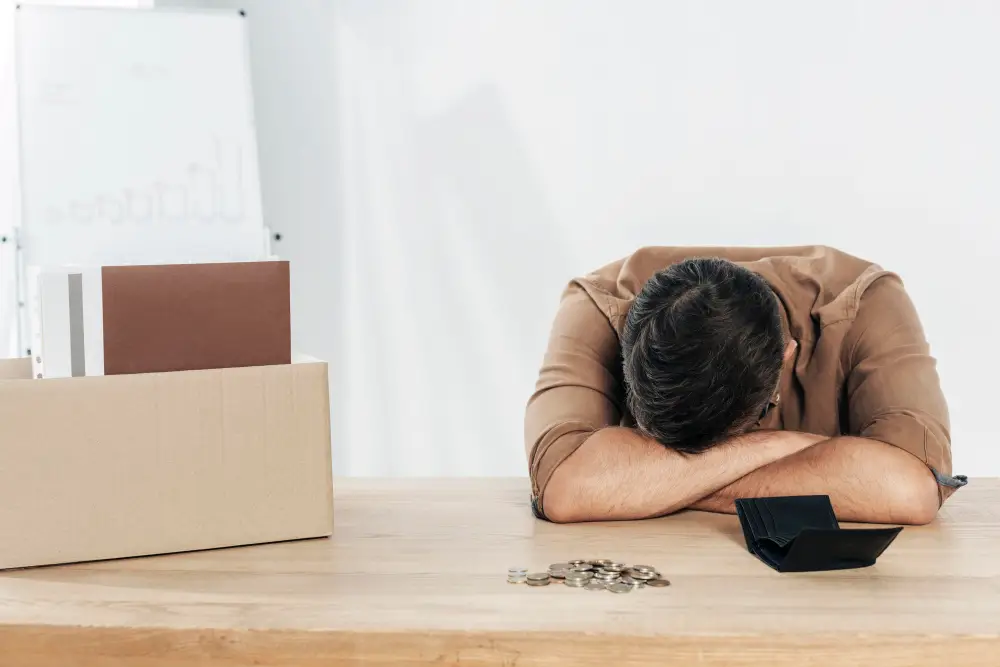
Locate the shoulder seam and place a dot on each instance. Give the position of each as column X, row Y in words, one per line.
column 860, row 285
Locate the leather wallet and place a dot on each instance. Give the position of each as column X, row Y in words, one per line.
column 801, row 534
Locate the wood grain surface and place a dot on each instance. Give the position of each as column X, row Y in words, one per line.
column 415, row 574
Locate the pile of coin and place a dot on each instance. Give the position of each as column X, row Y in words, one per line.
column 593, row 575
column 517, row 575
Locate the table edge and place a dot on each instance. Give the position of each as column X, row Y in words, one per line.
column 167, row 647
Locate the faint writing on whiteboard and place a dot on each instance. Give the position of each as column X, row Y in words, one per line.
column 57, row 94
column 208, row 194
column 144, row 71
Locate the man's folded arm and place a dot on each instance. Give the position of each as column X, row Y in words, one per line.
column 867, row 481
column 618, row 474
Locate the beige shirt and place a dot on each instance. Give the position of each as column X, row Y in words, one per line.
column 862, row 366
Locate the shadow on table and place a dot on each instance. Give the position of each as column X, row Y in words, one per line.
column 726, row 525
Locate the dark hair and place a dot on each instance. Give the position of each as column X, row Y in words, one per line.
column 702, row 352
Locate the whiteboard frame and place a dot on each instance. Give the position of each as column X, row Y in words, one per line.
column 19, row 279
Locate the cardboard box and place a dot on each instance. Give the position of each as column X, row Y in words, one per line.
column 130, row 465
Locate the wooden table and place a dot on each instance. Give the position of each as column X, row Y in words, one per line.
column 416, row 574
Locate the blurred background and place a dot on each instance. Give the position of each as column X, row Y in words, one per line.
column 437, row 170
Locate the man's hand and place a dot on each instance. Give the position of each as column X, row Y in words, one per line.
column 867, row 481
column 619, row 474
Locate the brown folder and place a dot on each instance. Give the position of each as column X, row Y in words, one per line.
column 195, row 316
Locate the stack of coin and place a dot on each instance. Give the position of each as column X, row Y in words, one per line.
column 516, row 575
column 643, row 572
column 648, row 575
column 537, row 579
column 575, row 579
column 559, row 570
column 606, row 576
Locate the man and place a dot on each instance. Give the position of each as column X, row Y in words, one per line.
column 689, row 377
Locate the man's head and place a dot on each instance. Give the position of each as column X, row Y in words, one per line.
column 702, row 351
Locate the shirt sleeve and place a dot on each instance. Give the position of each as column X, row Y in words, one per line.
column 893, row 390
column 579, row 388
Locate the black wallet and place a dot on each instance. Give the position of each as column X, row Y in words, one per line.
column 801, row 534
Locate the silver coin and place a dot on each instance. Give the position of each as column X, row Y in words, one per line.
column 560, row 566
column 620, row 588
column 614, row 566
column 517, row 570
column 595, row 586
column 600, row 562
column 582, row 568
column 578, row 562
column 645, row 576
column 626, row 579
column 658, row 583
column 576, row 583
column 537, row 582
column 642, row 568
column 557, row 574
column 538, row 576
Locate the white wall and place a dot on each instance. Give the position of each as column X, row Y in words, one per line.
column 491, row 150
column 440, row 169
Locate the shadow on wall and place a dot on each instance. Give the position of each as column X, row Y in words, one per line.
column 483, row 268
column 502, row 245
column 499, row 269
column 501, row 231
column 461, row 264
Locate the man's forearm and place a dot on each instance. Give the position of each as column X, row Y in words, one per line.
column 619, row 474
column 866, row 480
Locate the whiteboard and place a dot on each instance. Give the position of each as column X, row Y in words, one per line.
column 137, row 140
